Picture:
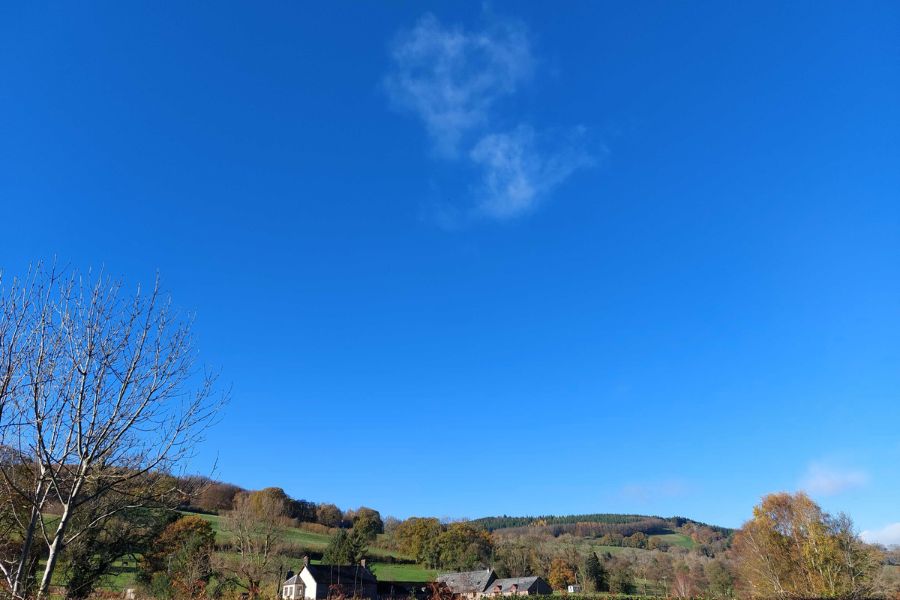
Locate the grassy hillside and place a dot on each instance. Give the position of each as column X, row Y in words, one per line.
column 677, row 539
column 292, row 535
column 317, row 542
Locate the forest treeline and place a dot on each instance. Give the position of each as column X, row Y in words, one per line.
column 505, row 521
column 215, row 497
column 644, row 523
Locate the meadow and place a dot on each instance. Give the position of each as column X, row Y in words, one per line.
column 386, row 564
column 126, row 571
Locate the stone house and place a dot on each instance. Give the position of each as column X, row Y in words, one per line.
column 468, row 584
column 478, row 584
column 519, row 586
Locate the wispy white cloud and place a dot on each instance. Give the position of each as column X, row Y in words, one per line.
column 828, row 480
column 889, row 535
column 519, row 169
column 450, row 78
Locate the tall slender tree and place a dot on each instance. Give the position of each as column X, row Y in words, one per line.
column 99, row 400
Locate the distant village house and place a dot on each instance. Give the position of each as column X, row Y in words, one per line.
column 478, row 584
column 320, row 582
column 519, row 586
column 468, row 584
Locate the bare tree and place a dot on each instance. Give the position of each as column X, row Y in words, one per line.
column 255, row 528
column 100, row 401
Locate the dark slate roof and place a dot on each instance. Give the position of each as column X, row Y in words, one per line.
column 333, row 574
column 399, row 589
column 524, row 583
column 469, row 581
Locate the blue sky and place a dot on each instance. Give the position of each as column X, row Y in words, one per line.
column 460, row 260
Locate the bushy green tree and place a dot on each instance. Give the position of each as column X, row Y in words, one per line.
column 368, row 523
column 417, row 536
column 345, row 548
column 180, row 558
column 463, row 547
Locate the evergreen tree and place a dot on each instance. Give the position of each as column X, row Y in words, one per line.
column 345, row 548
column 594, row 574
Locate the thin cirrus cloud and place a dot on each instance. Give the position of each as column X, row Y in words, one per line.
column 452, row 80
column 829, row 480
column 517, row 172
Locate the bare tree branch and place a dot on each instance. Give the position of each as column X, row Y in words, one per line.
column 99, row 400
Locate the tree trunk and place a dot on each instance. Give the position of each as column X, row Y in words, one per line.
column 56, row 546
column 18, row 583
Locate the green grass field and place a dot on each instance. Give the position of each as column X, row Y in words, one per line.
column 319, row 541
column 305, row 539
column 677, row 539
column 123, row 577
column 292, row 535
column 395, row 572
column 673, row 539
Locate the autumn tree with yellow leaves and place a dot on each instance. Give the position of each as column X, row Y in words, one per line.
column 791, row 548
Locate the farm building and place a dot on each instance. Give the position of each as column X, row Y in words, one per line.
column 519, row 586
column 478, row 584
column 469, row 584
column 315, row 582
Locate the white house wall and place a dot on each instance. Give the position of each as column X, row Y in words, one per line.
column 310, row 584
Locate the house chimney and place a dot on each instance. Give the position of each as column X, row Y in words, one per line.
column 306, row 560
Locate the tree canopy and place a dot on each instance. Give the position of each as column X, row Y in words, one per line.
column 791, row 548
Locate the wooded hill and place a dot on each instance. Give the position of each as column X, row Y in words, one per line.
column 492, row 523
column 626, row 524
column 214, row 496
